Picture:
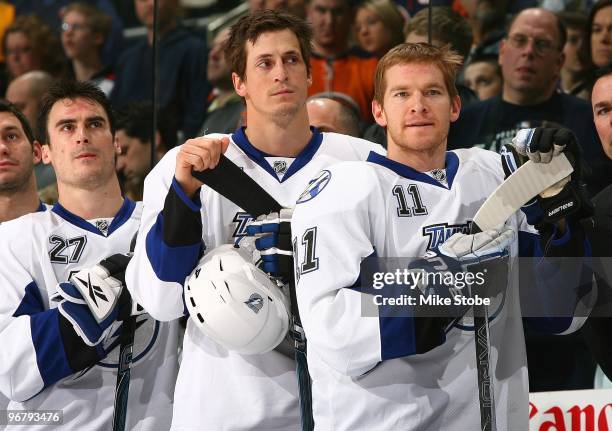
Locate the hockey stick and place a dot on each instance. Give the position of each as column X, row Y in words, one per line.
column 128, row 329
column 230, row 181
column 519, row 188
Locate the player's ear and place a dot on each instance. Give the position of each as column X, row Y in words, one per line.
column 455, row 108
column 379, row 114
column 46, row 154
column 36, row 152
column 239, row 85
column 117, row 146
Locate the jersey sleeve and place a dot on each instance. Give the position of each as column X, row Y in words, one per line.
column 40, row 346
column 169, row 243
column 560, row 274
column 330, row 238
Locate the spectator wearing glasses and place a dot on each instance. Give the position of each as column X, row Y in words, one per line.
column 84, row 31
column 531, row 58
column 29, row 44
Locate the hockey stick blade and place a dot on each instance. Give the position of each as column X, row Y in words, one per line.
column 520, row 187
column 524, row 184
column 230, row 181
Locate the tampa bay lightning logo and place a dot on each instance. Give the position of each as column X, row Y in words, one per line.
column 255, row 302
column 315, row 187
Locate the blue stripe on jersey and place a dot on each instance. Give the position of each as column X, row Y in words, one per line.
column 170, row 264
column 31, row 302
column 240, row 139
column 123, row 215
column 47, row 340
column 397, row 334
column 194, row 205
column 529, row 244
column 451, row 166
column 41, row 207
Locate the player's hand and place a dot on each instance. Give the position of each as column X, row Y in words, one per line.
column 564, row 198
column 271, row 237
column 95, row 298
column 541, row 144
column 478, row 248
column 197, row 154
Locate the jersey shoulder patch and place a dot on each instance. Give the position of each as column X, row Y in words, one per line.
column 315, row 186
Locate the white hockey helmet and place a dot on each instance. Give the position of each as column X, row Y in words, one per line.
column 235, row 303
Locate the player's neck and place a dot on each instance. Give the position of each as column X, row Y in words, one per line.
column 16, row 203
column 102, row 201
column 279, row 140
column 422, row 161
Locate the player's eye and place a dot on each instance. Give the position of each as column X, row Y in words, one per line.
column 265, row 64
column 602, row 111
column 292, row 59
column 11, row 137
column 95, row 124
column 67, row 127
column 432, row 92
column 400, row 94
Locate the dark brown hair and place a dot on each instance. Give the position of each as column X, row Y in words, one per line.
column 250, row 27
column 72, row 90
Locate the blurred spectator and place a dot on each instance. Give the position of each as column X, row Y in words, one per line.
column 26, row 93
column 7, row 15
column 597, row 50
column 483, row 76
column 378, row 26
column 134, row 138
column 329, row 115
column 84, row 32
column 19, row 151
column 448, row 27
column 334, row 66
column 225, row 106
column 488, row 22
column 182, row 85
column 531, row 58
column 573, row 69
column 29, row 44
column 51, row 13
column 295, row 7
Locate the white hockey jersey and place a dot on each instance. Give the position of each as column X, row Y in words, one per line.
column 219, row 389
column 39, row 251
column 365, row 370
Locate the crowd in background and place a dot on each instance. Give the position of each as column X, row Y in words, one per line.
column 526, row 63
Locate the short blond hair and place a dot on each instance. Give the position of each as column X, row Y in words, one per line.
column 447, row 60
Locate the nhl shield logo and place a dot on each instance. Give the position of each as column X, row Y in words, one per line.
column 102, row 226
column 280, row 166
column 255, row 302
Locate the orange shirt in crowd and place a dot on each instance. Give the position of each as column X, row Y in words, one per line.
column 351, row 73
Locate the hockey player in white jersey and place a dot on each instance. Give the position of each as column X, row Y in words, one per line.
column 19, row 152
column 217, row 388
column 391, row 373
column 59, row 353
